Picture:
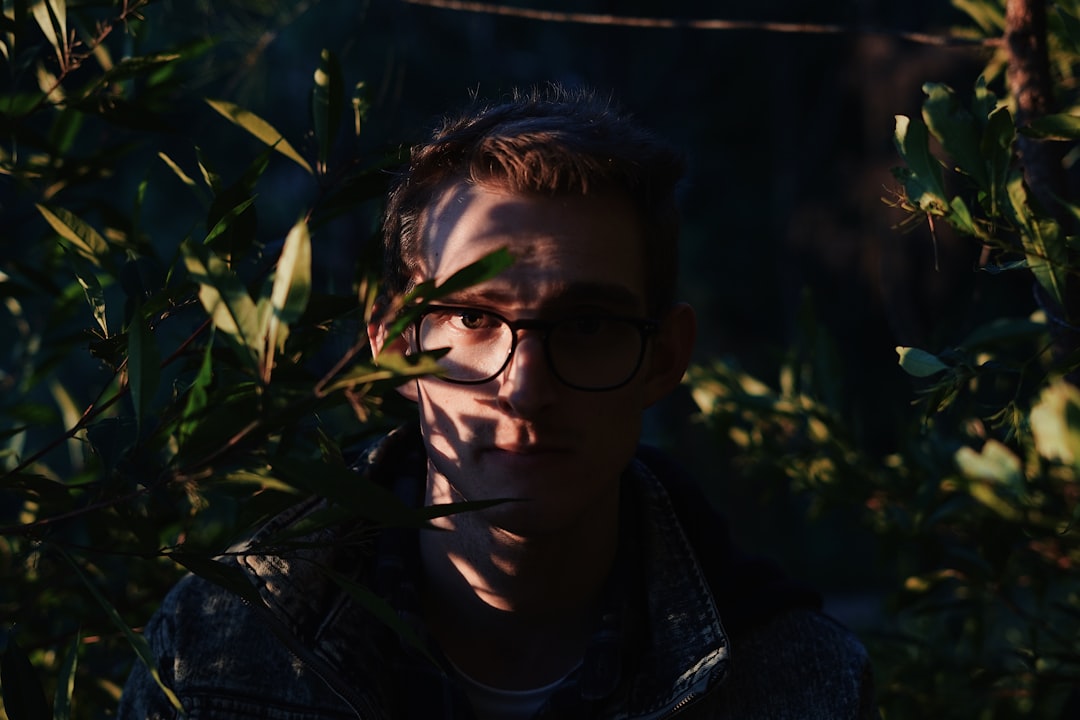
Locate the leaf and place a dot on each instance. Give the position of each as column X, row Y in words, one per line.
column 143, row 367
column 227, row 219
column 392, row 367
column 955, row 128
column 225, row 299
column 24, row 696
column 919, row 363
column 1054, row 127
column 327, row 99
column 995, row 462
column 1055, row 423
column 131, row 67
column 85, row 238
column 137, row 642
column 95, row 296
column 65, row 681
column 360, row 106
column 292, row 286
column 51, row 17
column 924, row 184
column 184, row 178
column 1044, row 244
column 224, row 574
column 260, row 129
column 195, row 403
column 380, row 609
column 347, row 488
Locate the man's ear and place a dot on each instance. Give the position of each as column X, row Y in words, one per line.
column 381, row 343
column 670, row 351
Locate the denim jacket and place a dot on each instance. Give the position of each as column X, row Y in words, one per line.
column 687, row 627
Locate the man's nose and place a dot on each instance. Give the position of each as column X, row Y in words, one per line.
column 527, row 384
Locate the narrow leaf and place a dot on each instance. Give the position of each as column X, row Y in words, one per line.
column 137, row 642
column 292, row 279
column 85, row 238
column 184, row 178
column 95, row 296
column 51, row 17
column 1044, row 243
column 261, row 129
column 143, row 367
column 65, row 681
column 224, row 574
column 227, row 219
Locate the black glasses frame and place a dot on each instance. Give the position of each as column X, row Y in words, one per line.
column 645, row 327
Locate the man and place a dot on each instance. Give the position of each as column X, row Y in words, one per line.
column 601, row 585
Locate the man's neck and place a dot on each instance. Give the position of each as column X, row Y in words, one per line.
column 510, row 610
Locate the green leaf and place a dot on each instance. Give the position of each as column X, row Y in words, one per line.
column 347, row 488
column 360, row 107
column 997, row 150
column 392, row 367
column 1044, row 243
column 196, row 401
column 137, row 642
column 85, row 238
column 65, row 681
column 919, row 363
column 225, row 299
column 292, row 285
column 95, row 296
column 226, row 220
column 131, row 67
column 955, row 128
column 1054, row 127
column 143, row 367
column 260, row 129
column 327, row 100
column 24, row 696
column 1070, row 25
column 924, row 184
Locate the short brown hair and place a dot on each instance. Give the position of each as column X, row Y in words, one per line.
column 547, row 141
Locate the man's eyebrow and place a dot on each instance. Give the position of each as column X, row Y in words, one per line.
column 572, row 294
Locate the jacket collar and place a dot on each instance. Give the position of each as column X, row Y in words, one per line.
column 658, row 644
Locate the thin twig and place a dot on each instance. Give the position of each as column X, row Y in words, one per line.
column 704, row 24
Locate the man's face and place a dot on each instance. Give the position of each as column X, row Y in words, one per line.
column 525, row 435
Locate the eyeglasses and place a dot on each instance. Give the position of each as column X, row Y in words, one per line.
column 586, row 352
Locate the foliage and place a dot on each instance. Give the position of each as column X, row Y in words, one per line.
column 172, row 371
column 977, row 513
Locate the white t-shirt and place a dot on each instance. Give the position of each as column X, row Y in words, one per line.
column 491, row 703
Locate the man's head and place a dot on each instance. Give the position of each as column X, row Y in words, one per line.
column 548, row 142
column 550, row 364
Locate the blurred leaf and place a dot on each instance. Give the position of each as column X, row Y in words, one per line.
column 327, row 100
column 359, row 495
column 137, row 642
column 227, row 220
column 360, row 107
column 392, row 367
column 143, row 368
column 23, row 695
column 49, row 494
column 995, row 462
column 260, row 129
column 184, row 178
column 131, row 67
column 919, row 363
column 1055, row 422
column 196, row 398
column 65, row 681
column 1054, row 127
column 86, row 239
column 51, row 17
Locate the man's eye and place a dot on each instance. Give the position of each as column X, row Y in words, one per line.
column 473, row 320
column 586, row 324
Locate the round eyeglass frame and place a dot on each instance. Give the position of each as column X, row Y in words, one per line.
column 646, row 328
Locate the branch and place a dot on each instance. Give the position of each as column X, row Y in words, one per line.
column 711, row 24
